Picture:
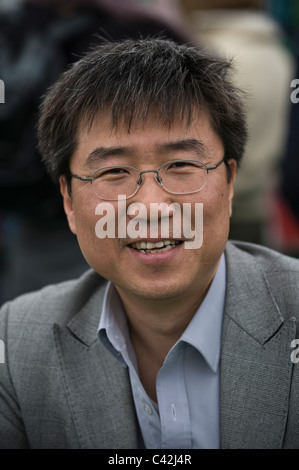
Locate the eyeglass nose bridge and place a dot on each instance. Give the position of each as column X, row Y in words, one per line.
column 140, row 180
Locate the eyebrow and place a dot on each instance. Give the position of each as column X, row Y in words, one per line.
column 102, row 154
column 191, row 145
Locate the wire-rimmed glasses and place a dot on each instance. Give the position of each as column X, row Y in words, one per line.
column 175, row 177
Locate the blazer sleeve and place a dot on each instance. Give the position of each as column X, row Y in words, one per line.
column 12, row 430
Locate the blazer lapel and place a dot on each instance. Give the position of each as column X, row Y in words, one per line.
column 255, row 363
column 98, row 387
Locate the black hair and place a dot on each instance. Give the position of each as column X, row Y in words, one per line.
column 131, row 79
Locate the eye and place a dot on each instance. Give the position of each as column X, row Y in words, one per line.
column 113, row 172
column 183, row 165
column 179, row 164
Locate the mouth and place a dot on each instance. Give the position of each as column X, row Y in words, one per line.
column 161, row 246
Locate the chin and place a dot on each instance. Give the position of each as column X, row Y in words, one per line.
column 157, row 291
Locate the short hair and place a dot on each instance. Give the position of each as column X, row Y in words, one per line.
column 131, row 79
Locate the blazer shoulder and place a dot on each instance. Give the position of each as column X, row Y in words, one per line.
column 268, row 258
column 280, row 273
column 56, row 303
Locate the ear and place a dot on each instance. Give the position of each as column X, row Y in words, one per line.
column 67, row 203
column 233, row 170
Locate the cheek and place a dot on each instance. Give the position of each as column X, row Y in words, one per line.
column 85, row 220
column 216, row 215
column 99, row 252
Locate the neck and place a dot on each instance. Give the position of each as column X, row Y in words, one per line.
column 158, row 324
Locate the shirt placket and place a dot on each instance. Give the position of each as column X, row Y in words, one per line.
column 173, row 402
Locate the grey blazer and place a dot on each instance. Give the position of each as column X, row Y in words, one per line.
column 59, row 388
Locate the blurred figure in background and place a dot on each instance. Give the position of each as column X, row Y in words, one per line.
column 264, row 68
column 284, row 226
column 39, row 39
column 283, row 232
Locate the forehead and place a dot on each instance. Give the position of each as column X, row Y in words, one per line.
column 150, row 137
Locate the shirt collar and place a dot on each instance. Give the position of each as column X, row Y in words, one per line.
column 203, row 332
column 113, row 326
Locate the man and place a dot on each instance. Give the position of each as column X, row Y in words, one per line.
column 189, row 344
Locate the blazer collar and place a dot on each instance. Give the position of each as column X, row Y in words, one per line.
column 249, row 300
column 85, row 323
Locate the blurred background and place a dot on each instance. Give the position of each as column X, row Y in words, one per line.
column 39, row 39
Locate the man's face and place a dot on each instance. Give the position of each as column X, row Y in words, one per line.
column 178, row 273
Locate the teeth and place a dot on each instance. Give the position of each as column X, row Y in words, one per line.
column 153, row 247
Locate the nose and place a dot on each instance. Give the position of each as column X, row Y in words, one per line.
column 150, row 192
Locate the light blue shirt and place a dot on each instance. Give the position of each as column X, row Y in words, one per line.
column 187, row 413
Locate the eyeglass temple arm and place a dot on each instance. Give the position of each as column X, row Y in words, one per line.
column 82, row 178
column 215, row 166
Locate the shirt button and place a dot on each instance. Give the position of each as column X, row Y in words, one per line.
column 147, row 409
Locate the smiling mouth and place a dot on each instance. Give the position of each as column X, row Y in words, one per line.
column 155, row 247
